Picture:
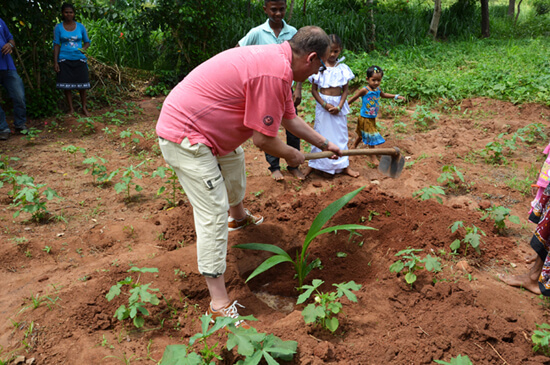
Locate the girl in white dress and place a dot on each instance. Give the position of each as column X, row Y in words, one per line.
column 330, row 90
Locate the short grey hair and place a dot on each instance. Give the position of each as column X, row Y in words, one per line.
column 310, row 39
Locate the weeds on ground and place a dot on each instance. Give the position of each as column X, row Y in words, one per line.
column 73, row 150
column 138, row 296
column 301, row 265
column 36, row 301
column 471, row 238
column 541, row 338
column 459, row 360
column 449, row 176
column 424, row 118
column 411, row 263
column 499, row 214
column 98, row 171
column 172, row 182
column 430, row 192
column 29, row 200
column 127, row 180
column 254, row 346
column 325, row 308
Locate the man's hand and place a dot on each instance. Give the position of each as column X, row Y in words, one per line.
column 334, row 148
column 7, row 49
column 294, row 157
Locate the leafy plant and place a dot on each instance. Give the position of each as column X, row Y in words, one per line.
column 128, row 175
column 172, row 182
column 72, row 150
column 412, row 263
column 448, row 178
column 499, row 215
column 423, row 117
column 139, row 296
column 99, row 171
column 249, row 343
column 325, row 307
column 459, row 360
column 128, row 134
column 532, row 133
column 86, row 125
column 28, row 198
column 30, row 133
column 301, row 264
column 36, row 301
column 429, row 193
column 471, row 238
column 540, row 339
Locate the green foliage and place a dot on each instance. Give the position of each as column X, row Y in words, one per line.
column 411, row 263
column 139, row 296
column 540, row 339
column 301, row 264
column 72, row 150
column 12, row 176
column 424, row 118
column 99, row 172
column 541, row 6
column 28, row 198
column 325, row 308
column 30, row 133
column 127, row 181
column 128, row 134
column 459, row 360
column 429, row 193
column 448, row 178
column 499, row 214
column 172, row 182
column 534, row 132
column 254, row 346
column 471, row 238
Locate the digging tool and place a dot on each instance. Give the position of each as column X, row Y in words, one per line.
column 391, row 163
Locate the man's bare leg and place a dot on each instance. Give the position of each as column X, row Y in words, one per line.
column 528, row 281
column 218, row 293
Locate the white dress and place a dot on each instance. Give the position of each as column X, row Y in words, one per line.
column 333, row 127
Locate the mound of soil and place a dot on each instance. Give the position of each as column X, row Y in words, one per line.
column 56, row 273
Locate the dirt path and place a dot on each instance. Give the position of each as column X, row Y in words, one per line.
column 95, row 235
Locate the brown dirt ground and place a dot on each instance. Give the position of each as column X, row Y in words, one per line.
column 442, row 315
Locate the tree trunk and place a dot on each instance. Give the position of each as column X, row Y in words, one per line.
column 290, row 10
column 511, row 7
column 485, row 19
column 517, row 14
column 304, row 7
column 248, row 6
column 372, row 45
column 435, row 19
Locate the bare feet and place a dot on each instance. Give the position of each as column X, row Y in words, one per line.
column 297, row 174
column 351, row 172
column 277, row 175
column 531, row 259
column 307, row 171
column 523, row 281
column 85, row 112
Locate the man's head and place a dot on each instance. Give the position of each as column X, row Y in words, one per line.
column 310, row 47
column 275, row 11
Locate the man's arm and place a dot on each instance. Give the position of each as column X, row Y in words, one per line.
column 301, row 129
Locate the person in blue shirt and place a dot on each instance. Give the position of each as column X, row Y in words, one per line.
column 276, row 31
column 70, row 62
column 13, row 84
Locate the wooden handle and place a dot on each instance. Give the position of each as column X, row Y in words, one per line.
column 370, row 151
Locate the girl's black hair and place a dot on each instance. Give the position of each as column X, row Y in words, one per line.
column 65, row 6
column 335, row 39
column 374, row 70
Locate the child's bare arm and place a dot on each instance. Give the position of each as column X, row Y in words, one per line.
column 391, row 96
column 345, row 93
column 315, row 93
column 357, row 95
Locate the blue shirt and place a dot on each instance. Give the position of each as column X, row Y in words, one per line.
column 70, row 42
column 6, row 62
column 263, row 34
column 370, row 106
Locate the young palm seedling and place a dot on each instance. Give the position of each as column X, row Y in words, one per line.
column 411, row 263
column 301, row 264
column 325, row 306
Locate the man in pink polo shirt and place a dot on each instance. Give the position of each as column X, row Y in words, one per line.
column 240, row 93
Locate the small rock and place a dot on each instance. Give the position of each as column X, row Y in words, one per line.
column 19, row 360
column 464, row 266
column 317, row 184
column 513, row 265
column 375, row 182
column 30, row 361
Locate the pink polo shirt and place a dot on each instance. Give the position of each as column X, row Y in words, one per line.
column 223, row 100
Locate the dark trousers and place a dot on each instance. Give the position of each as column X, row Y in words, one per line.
column 273, row 161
